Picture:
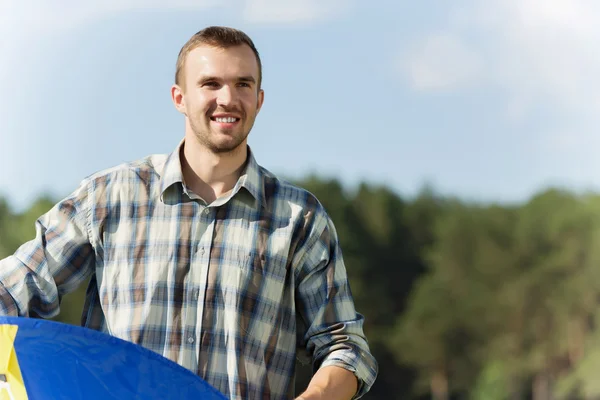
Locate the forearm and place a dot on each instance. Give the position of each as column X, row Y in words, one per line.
column 58, row 259
column 27, row 288
column 331, row 383
column 334, row 335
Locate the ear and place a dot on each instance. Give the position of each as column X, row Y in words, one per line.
column 261, row 99
column 178, row 100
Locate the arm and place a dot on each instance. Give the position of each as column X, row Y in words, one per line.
column 54, row 263
column 343, row 365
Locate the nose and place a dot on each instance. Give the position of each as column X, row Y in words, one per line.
column 225, row 96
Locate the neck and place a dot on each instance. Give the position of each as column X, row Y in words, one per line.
column 211, row 175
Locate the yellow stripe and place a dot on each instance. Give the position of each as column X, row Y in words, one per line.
column 9, row 365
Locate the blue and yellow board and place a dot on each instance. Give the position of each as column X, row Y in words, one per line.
column 42, row 359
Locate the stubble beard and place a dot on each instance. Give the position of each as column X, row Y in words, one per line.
column 204, row 137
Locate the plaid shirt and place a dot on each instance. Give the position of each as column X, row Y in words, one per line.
column 228, row 290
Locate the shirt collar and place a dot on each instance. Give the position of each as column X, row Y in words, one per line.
column 171, row 173
column 251, row 178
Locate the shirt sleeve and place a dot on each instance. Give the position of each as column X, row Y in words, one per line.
column 334, row 329
column 54, row 263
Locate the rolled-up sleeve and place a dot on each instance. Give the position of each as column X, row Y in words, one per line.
column 54, row 263
column 334, row 334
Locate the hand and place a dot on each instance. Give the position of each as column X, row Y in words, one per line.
column 311, row 395
column 330, row 383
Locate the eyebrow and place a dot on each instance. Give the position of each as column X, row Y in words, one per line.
column 247, row 79
column 239, row 79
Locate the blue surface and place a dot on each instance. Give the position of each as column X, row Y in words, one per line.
column 60, row 361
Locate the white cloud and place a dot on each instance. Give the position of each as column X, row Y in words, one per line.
column 442, row 61
column 278, row 11
column 23, row 21
column 534, row 50
column 63, row 15
column 58, row 16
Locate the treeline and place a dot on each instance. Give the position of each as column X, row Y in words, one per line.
column 462, row 300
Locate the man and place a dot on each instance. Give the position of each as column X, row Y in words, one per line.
column 202, row 255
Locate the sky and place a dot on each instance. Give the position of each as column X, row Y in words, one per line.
column 489, row 100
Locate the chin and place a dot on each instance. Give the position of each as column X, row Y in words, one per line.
column 222, row 148
column 218, row 143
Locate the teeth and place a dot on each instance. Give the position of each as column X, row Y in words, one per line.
column 227, row 119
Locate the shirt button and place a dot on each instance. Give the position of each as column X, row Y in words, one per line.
column 190, row 340
column 206, row 211
column 202, row 250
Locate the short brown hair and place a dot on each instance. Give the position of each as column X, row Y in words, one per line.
column 217, row 36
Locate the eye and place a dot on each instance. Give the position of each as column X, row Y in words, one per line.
column 244, row 84
column 211, row 84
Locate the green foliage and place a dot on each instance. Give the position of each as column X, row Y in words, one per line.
column 491, row 383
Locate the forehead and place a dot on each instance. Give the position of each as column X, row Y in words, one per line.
column 228, row 62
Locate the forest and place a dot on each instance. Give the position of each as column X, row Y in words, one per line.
column 462, row 300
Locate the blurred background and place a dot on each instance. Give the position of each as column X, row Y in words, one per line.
column 453, row 143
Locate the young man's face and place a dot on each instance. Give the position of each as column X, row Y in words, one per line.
column 220, row 96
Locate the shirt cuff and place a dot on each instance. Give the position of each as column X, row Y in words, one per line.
column 363, row 366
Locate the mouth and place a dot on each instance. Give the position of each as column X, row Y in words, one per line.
column 225, row 120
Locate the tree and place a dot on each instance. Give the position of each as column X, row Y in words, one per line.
column 448, row 326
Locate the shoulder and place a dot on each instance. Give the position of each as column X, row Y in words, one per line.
column 140, row 171
column 292, row 202
column 280, row 190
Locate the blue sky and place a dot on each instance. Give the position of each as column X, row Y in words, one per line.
column 488, row 100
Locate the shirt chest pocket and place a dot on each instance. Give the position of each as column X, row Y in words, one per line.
column 252, row 286
column 138, row 272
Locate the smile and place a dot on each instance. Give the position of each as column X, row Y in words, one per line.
column 228, row 120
